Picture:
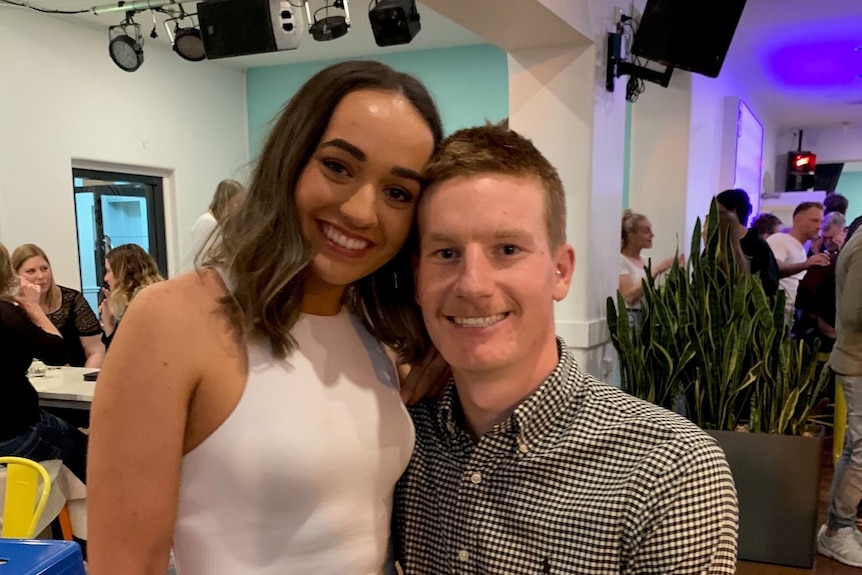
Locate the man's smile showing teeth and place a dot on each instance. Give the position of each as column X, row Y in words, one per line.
column 342, row 240
column 478, row 321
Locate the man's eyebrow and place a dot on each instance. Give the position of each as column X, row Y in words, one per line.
column 506, row 234
column 346, row 146
column 362, row 156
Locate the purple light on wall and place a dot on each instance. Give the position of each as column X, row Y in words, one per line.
column 829, row 64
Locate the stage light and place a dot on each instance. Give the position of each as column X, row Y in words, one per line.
column 329, row 27
column 394, row 22
column 187, row 42
column 126, row 51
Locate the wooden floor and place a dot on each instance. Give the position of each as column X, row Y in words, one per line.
column 822, row 565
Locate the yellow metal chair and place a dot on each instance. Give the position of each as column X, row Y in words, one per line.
column 23, row 504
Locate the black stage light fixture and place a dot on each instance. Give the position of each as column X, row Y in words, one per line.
column 187, row 42
column 127, row 52
column 329, row 27
column 394, row 22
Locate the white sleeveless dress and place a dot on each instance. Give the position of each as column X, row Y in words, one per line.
column 300, row 477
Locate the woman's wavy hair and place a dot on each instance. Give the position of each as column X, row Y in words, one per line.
column 133, row 269
column 262, row 248
column 225, row 192
column 26, row 251
column 8, row 278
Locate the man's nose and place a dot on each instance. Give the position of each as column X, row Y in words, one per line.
column 475, row 274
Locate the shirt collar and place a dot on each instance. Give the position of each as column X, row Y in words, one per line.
column 535, row 416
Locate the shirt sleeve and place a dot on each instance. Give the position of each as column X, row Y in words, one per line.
column 779, row 249
column 624, row 269
column 690, row 522
column 86, row 321
column 46, row 346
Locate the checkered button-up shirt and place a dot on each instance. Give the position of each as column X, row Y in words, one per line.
column 582, row 478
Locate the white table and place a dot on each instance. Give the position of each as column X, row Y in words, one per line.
column 65, row 387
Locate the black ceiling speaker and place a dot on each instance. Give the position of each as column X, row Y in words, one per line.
column 394, row 22
column 694, row 36
column 242, row 27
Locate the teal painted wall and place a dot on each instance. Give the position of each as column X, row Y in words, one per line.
column 627, row 156
column 470, row 85
column 850, row 186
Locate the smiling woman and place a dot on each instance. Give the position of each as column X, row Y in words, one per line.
column 66, row 308
column 248, row 414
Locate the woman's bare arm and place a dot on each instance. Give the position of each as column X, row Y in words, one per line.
column 137, row 435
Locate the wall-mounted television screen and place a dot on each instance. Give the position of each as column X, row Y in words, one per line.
column 688, row 34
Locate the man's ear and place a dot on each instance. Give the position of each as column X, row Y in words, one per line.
column 564, row 268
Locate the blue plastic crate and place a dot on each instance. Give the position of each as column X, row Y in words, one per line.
column 40, row 557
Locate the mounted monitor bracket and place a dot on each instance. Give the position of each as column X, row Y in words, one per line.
column 618, row 66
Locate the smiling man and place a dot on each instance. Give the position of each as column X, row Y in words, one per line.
column 527, row 464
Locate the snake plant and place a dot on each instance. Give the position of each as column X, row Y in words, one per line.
column 710, row 339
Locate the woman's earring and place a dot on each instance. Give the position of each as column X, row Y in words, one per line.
column 395, row 278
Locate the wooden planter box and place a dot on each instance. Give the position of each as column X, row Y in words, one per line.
column 778, row 481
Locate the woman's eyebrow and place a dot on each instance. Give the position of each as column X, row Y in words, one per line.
column 346, row 146
column 361, row 156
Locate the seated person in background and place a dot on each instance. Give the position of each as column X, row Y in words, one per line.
column 27, row 430
column 128, row 270
column 66, row 308
column 527, row 464
column 637, row 235
column 766, row 224
column 228, row 195
column 761, row 260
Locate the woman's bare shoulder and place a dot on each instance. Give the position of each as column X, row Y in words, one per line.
column 198, row 288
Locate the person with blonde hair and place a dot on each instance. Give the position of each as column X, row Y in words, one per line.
column 228, row 195
column 637, row 235
column 65, row 307
column 248, row 414
column 26, row 332
column 128, row 270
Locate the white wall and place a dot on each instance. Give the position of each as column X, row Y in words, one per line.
column 676, row 142
column 64, row 102
column 660, row 161
column 830, row 143
column 707, row 127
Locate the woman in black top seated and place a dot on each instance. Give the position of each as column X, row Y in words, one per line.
column 66, row 308
column 26, row 430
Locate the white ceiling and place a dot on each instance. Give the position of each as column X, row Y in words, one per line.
column 819, row 37
column 798, row 57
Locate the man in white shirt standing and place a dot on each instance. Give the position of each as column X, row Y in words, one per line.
column 790, row 254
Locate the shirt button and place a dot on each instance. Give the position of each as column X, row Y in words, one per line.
column 476, row 477
column 463, row 555
column 523, row 448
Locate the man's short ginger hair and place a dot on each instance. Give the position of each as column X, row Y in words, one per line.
column 494, row 149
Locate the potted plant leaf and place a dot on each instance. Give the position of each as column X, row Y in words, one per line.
column 711, row 345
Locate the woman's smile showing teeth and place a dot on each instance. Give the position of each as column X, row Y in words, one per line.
column 484, row 321
column 342, row 240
